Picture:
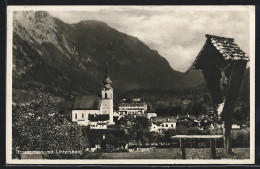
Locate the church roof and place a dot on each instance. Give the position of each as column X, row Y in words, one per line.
column 164, row 119
column 87, row 102
column 98, row 117
column 115, row 114
column 226, row 47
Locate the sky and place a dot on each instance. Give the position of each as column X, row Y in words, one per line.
column 177, row 33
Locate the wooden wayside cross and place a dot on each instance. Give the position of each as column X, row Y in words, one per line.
column 223, row 64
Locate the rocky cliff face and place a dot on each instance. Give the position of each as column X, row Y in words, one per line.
column 72, row 57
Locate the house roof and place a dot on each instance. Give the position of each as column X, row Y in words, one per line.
column 185, row 118
column 98, row 117
column 151, row 113
column 132, row 104
column 102, row 123
column 87, row 102
column 115, row 114
column 164, row 119
column 226, row 47
column 157, row 123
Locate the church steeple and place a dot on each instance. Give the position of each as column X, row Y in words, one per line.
column 107, row 97
column 107, row 82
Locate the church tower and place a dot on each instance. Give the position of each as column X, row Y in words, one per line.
column 107, row 96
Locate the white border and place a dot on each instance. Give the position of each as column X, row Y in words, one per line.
column 135, row 8
column 10, row 10
column 252, row 84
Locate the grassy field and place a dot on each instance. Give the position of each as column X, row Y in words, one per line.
column 167, row 153
column 174, row 153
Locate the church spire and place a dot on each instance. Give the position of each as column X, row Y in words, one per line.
column 106, row 71
column 107, row 82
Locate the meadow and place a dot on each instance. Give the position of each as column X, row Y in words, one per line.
column 175, row 153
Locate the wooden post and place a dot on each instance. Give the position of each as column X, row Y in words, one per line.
column 227, row 137
column 182, row 146
column 231, row 96
column 224, row 144
column 213, row 148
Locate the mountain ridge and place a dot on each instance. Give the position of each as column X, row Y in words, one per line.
column 72, row 57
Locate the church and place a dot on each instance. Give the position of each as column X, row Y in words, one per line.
column 94, row 111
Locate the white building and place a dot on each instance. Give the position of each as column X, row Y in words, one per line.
column 132, row 108
column 81, row 116
column 235, row 127
column 163, row 123
column 157, row 127
column 101, row 108
column 150, row 115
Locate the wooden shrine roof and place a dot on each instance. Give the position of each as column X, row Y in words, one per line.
column 226, row 47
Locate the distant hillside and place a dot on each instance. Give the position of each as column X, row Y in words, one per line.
column 52, row 54
column 69, row 59
column 192, row 77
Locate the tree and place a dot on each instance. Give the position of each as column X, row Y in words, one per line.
column 151, row 137
column 168, row 134
column 37, row 126
column 181, row 129
column 238, row 117
column 197, row 109
column 190, row 107
column 160, row 138
column 126, row 138
column 149, row 108
column 179, row 110
column 123, row 120
column 141, row 125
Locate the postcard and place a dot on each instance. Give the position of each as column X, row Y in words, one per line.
column 130, row 85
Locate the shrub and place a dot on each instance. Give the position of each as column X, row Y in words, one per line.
column 240, row 139
column 176, row 155
column 199, row 154
column 221, row 154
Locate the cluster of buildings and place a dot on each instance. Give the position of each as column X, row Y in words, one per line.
column 98, row 113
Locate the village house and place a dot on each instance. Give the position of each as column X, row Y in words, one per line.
column 98, row 121
column 235, row 127
column 135, row 108
column 161, row 123
column 150, row 115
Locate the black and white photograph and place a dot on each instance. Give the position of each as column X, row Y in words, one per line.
column 130, row 84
